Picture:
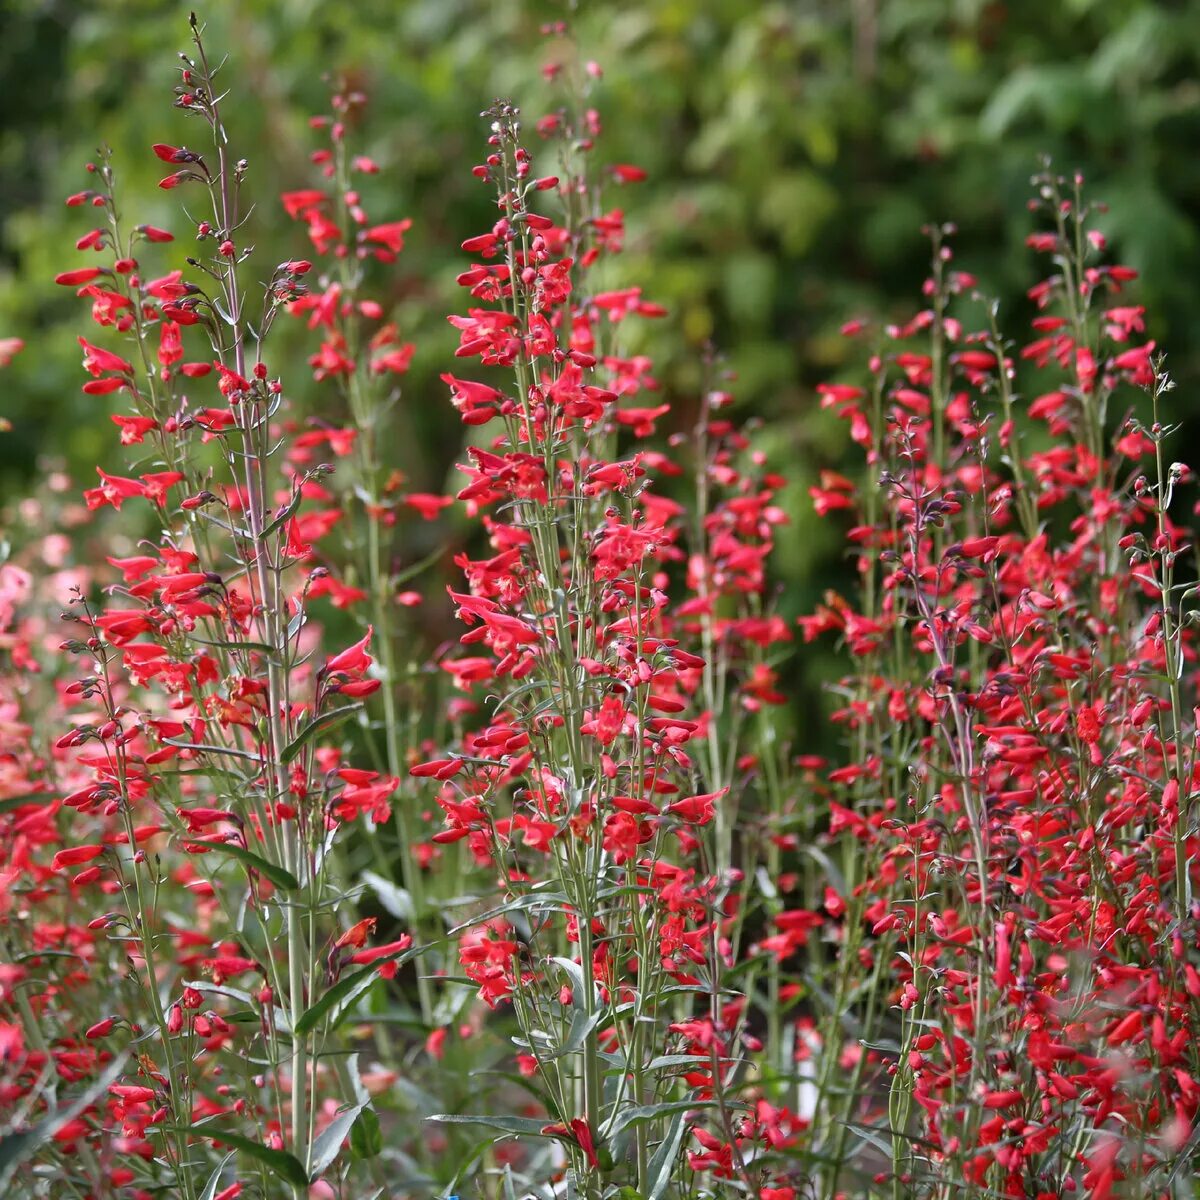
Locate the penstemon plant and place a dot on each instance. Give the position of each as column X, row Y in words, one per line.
column 209, row 803
column 292, row 908
column 1026, row 754
column 601, row 789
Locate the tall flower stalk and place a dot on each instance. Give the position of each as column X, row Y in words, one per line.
column 594, row 785
column 211, row 712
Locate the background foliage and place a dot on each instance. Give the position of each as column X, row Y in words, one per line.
column 794, row 150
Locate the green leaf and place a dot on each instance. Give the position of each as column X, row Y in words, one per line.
column 232, row 751
column 279, row 876
column 347, row 990
column 355, row 1075
column 575, row 972
column 35, row 955
column 662, row 1164
column 650, row 1112
column 295, row 625
column 214, row 1180
column 366, row 1138
column 663, row 1061
column 522, row 1125
column 510, row 1191
column 285, row 515
column 259, row 647
column 315, row 726
column 325, row 1148
column 534, row 900
column 11, row 802
column 280, row 1163
column 220, row 989
column 581, row 1025
column 343, row 994
column 236, row 530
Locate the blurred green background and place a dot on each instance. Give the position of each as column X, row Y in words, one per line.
column 794, row 151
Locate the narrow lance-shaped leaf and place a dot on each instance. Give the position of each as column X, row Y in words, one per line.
column 279, row 876
column 281, row 1163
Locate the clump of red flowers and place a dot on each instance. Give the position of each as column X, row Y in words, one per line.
column 272, row 929
column 1023, row 712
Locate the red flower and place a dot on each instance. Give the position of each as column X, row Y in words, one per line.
column 96, row 360
column 73, row 856
column 353, row 660
column 698, row 810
